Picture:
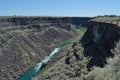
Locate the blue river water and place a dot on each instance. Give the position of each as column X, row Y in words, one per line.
column 37, row 68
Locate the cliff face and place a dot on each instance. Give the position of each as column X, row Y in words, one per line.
column 99, row 41
column 99, row 46
column 83, row 21
column 25, row 40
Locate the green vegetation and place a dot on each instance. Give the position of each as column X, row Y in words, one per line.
column 75, row 27
column 80, row 32
column 65, row 43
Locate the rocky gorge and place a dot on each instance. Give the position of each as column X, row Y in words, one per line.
column 95, row 56
column 26, row 40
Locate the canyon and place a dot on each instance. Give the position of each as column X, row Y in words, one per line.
column 95, row 56
column 24, row 41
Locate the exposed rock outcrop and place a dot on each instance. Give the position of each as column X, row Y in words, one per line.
column 25, row 40
column 100, row 43
column 99, row 40
column 83, row 21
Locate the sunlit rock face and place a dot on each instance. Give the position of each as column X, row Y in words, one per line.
column 25, row 40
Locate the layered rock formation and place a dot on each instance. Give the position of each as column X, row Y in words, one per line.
column 100, row 40
column 99, row 46
column 25, row 40
column 83, row 21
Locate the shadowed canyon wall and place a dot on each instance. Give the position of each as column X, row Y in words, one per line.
column 25, row 40
column 99, row 42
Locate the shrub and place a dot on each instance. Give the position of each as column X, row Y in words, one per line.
column 101, row 74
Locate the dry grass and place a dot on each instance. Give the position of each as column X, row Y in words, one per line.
column 109, row 72
column 101, row 74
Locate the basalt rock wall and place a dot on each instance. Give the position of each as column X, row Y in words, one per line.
column 101, row 41
column 83, row 21
column 26, row 40
column 99, row 46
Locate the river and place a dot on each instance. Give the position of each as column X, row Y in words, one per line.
column 37, row 67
